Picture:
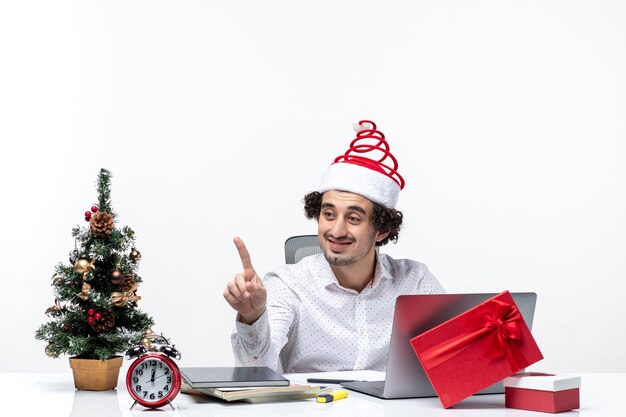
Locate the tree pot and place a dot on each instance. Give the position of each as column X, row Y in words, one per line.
column 94, row 374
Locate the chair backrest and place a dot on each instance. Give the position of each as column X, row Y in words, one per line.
column 298, row 247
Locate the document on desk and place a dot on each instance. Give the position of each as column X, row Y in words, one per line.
column 363, row 375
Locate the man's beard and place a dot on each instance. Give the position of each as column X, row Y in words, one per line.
column 339, row 261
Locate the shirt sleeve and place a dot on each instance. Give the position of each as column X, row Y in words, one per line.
column 428, row 284
column 260, row 343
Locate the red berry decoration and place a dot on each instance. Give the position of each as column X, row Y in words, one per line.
column 90, row 319
column 91, row 311
column 88, row 213
column 98, row 316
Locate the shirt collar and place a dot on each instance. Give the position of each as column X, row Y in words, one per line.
column 327, row 277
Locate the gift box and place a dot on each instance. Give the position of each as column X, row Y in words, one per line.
column 476, row 349
column 542, row 392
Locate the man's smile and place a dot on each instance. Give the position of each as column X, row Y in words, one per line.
column 338, row 245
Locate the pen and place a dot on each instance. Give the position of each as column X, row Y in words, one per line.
column 333, row 396
column 328, row 381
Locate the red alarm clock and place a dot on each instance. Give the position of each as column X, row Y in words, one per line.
column 153, row 379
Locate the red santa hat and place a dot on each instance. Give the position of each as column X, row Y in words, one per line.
column 367, row 168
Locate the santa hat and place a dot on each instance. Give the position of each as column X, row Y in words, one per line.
column 365, row 169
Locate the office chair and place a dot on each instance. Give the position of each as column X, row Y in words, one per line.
column 298, row 247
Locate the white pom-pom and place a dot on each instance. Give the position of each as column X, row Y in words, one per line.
column 359, row 127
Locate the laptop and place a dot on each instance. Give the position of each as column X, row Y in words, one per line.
column 413, row 315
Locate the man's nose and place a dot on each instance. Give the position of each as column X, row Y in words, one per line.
column 339, row 228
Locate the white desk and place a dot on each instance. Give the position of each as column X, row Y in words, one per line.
column 53, row 394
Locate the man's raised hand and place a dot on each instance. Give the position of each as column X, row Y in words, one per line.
column 246, row 293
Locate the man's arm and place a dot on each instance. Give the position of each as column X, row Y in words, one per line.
column 260, row 343
column 259, row 335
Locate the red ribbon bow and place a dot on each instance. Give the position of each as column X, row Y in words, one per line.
column 496, row 319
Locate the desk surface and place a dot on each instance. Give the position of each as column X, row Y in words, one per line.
column 53, row 394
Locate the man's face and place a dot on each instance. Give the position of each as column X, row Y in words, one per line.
column 344, row 229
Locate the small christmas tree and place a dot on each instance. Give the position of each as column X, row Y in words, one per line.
column 95, row 314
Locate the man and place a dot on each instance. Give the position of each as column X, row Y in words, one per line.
column 333, row 311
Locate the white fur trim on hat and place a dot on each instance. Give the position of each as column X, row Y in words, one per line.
column 358, row 179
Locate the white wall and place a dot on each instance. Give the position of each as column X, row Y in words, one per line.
column 215, row 118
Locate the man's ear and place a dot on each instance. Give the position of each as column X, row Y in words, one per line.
column 380, row 236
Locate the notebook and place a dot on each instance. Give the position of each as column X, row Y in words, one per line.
column 414, row 314
column 260, row 395
column 238, row 376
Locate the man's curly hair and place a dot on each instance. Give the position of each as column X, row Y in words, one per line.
column 384, row 219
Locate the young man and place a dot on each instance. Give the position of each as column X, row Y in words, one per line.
column 333, row 311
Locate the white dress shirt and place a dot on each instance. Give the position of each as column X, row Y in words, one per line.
column 313, row 324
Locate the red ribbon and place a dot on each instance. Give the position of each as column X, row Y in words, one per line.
column 497, row 320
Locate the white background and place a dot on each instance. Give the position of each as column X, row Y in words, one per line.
column 215, row 118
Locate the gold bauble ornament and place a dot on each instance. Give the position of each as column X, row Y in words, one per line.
column 83, row 265
column 146, row 343
column 135, row 255
column 147, row 339
column 49, row 350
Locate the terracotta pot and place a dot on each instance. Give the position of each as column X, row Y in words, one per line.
column 94, row 374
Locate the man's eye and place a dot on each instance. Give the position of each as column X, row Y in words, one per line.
column 354, row 219
column 328, row 215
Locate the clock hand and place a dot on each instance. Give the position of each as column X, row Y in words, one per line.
column 153, row 372
column 160, row 376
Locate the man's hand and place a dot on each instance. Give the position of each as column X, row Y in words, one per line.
column 246, row 293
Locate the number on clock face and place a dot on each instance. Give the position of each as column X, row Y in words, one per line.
column 152, row 380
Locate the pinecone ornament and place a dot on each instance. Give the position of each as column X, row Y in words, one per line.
column 106, row 323
column 130, row 288
column 129, row 283
column 101, row 224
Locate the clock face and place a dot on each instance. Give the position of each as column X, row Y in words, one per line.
column 153, row 380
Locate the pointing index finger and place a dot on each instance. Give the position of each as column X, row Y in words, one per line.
column 244, row 255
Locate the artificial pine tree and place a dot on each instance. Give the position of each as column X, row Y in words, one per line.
column 95, row 314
